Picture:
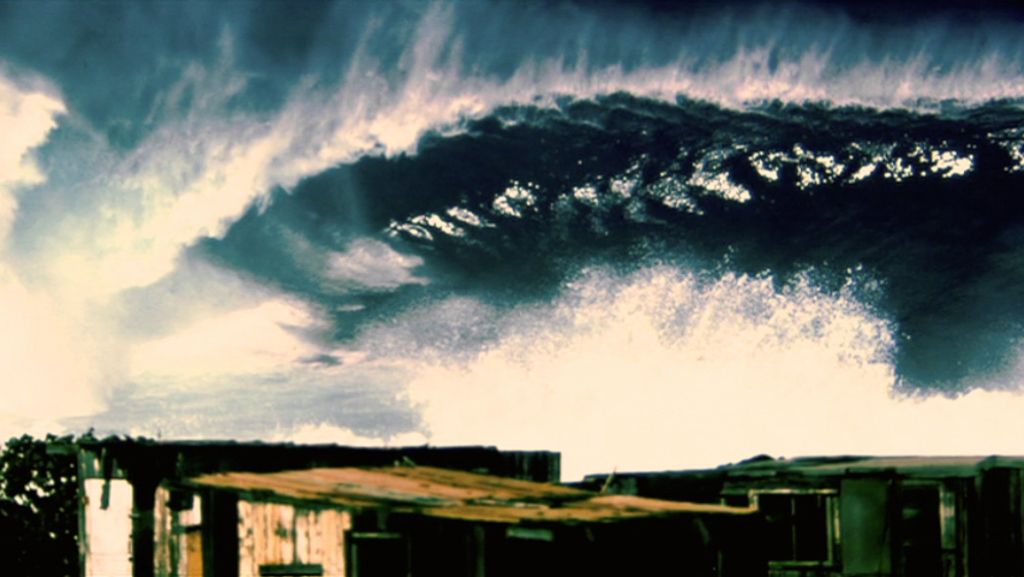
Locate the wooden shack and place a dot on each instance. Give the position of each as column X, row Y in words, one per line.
column 865, row 516
column 410, row 520
column 120, row 484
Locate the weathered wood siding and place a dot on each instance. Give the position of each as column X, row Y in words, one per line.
column 275, row 534
column 107, row 513
column 178, row 534
column 165, row 552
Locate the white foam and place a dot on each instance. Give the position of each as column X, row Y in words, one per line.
column 659, row 370
column 516, row 199
column 373, row 264
column 710, row 174
column 949, row 163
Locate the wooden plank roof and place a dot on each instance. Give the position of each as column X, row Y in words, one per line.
column 449, row 494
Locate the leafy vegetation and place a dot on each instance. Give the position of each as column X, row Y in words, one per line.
column 38, row 509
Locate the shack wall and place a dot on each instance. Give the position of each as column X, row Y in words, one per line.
column 107, row 520
column 279, row 534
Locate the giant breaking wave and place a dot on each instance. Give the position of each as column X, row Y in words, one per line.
column 590, row 228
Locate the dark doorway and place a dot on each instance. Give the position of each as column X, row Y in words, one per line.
column 920, row 545
column 378, row 555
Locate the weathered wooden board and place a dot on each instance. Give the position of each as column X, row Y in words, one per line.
column 277, row 534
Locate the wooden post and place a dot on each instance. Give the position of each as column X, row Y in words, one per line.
column 220, row 534
column 83, row 536
column 480, row 550
column 143, row 536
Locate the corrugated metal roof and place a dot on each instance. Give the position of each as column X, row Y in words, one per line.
column 450, row 494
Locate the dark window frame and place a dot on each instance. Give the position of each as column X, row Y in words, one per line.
column 353, row 540
column 830, row 520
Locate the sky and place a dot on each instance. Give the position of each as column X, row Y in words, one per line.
column 209, row 216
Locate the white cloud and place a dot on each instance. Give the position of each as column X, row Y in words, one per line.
column 47, row 369
column 26, row 118
column 46, row 357
column 251, row 341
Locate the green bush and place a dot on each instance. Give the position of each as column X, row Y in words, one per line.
column 38, row 509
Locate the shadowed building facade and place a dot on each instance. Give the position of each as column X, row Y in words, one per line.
column 864, row 516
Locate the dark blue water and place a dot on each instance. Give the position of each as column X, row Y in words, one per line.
column 929, row 205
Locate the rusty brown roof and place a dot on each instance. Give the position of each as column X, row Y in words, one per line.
column 449, row 494
column 592, row 509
